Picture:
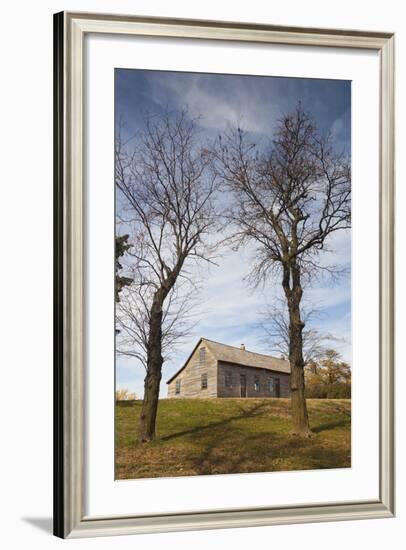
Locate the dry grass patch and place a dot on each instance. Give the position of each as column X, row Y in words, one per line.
column 223, row 436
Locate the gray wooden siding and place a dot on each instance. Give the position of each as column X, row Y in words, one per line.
column 251, row 374
column 191, row 377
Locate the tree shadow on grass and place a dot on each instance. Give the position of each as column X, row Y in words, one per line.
column 245, row 413
column 223, row 452
column 342, row 423
column 241, row 443
column 266, row 452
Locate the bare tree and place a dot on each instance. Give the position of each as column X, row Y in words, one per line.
column 288, row 201
column 133, row 318
column 168, row 191
column 275, row 326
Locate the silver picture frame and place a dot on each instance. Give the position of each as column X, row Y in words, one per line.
column 70, row 30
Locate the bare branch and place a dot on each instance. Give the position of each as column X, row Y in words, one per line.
column 276, row 325
column 167, row 188
column 289, row 200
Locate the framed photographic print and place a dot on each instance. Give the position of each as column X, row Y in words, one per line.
column 223, row 275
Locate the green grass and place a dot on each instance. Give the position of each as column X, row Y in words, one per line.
column 224, row 436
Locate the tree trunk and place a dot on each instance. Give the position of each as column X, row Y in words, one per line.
column 154, row 372
column 155, row 360
column 300, row 417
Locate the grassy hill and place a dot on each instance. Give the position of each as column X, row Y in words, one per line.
column 223, row 436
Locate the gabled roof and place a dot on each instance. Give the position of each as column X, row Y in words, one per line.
column 238, row 356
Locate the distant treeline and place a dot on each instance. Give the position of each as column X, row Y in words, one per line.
column 328, row 377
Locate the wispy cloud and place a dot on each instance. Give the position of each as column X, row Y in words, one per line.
column 218, row 112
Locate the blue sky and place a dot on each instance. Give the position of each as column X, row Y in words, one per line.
column 229, row 311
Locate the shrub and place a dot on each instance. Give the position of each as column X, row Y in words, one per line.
column 125, row 395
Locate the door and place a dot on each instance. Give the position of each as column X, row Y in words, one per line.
column 243, row 385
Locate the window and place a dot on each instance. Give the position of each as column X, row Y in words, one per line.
column 256, row 383
column 228, row 379
column 177, row 386
column 204, row 381
column 202, row 355
column 275, row 387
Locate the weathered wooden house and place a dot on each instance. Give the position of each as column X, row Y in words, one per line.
column 218, row 370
